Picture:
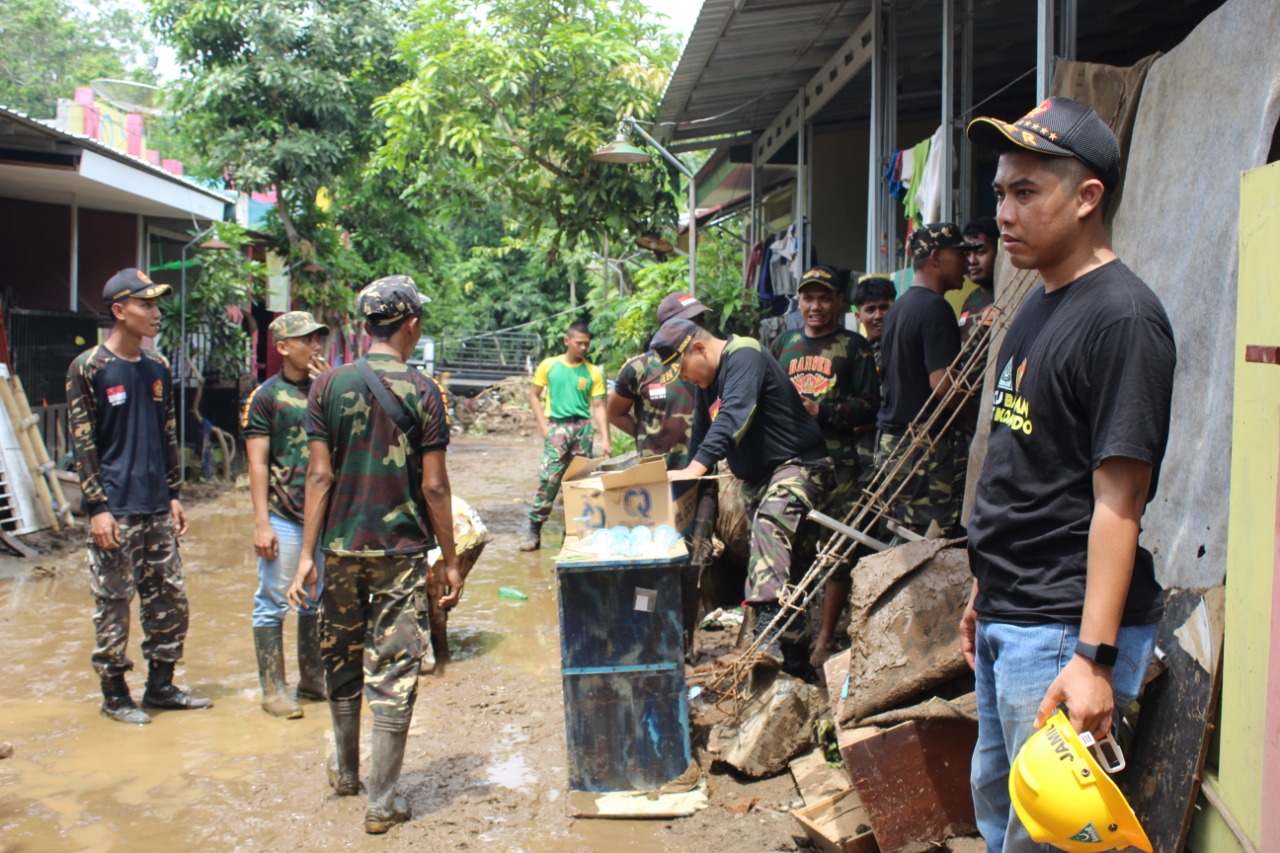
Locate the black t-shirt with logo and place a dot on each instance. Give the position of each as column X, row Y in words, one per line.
column 1084, row 374
column 920, row 335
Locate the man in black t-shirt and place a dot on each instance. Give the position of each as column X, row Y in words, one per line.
column 1065, row 602
column 126, row 449
column 920, row 341
column 747, row 412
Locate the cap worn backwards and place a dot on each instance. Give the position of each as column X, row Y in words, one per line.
column 1058, row 127
column 391, row 299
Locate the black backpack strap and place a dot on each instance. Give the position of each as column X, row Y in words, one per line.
column 390, row 404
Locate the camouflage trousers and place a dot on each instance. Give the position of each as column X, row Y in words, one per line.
column 565, row 439
column 369, row 634
column 781, row 506
column 835, row 502
column 146, row 563
column 929, row 494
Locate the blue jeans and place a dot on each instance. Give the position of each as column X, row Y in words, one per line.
column 1015, row 666
column 274, row 577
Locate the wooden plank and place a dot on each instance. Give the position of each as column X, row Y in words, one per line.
column 913, row 780
column 18, row 547
column 816, row 779
column 1166, row 758
column 838, row 824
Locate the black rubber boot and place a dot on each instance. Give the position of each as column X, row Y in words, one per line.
column 532, row 540
column 311, row 683
column 268, row 645
column 770, row 653
column 386, row 809
column 117, row 703
column 161, row 692
column 343, row 767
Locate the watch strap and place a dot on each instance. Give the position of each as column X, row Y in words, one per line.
column 1100, row 653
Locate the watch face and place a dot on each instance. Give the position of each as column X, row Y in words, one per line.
column 1107, row 655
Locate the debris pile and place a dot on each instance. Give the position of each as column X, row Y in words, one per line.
column 500, row 409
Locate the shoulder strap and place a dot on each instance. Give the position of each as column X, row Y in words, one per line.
column 389, row 403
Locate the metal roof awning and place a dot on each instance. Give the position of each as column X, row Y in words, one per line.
column 44, row 164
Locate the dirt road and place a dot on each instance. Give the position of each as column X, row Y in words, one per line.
column 486, row 764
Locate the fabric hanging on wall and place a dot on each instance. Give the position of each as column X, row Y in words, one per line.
column 928, row 186
column 919, row 156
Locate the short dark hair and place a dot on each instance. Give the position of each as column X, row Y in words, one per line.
column 873, row 289
column 1073, row 172
column 384, row 333
column 580, row 327
column 984, row 226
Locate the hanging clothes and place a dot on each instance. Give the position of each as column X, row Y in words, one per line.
column 929, row 186
column 919, row 156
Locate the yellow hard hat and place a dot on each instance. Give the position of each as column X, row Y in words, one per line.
column 1064, row 798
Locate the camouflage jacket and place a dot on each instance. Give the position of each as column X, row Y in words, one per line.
column 122, row 429
column 276, row 410
column 839, row 372
column 375, row 509
column 663, row 412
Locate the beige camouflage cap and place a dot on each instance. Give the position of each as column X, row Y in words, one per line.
column 389, row 299
column 296, row 324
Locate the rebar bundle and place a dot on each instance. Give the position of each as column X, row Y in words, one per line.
column 873, row 505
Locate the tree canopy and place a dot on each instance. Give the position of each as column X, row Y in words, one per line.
column 507, row 100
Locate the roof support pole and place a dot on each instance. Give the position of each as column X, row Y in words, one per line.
column 966, row 107
column 73, row 276
column 1044, row 47
column 948, row 112
column 802, row 185
column 1067, row 29
column 884, row 76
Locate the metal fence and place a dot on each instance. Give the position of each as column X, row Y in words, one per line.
column 42, row 345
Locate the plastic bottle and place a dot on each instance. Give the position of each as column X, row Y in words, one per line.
column 512, row 592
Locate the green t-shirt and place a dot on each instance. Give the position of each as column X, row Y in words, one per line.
column 374, row 510
column 276, row 409
column 839, row 372
column 570, row 388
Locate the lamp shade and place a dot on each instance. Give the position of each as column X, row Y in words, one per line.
column 654, row 243
column 621, row 151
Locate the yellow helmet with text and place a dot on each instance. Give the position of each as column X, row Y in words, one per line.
column 1064, row 797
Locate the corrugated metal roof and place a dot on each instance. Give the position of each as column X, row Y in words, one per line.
column 43, row 127
column 746, row 59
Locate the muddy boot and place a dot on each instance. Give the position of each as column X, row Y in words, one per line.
column 385, row 808
column 161, row 692
column 268, row 645
column 770, row 653
column 343, row 767
column 311, row 684
column 532, row 540
column 118, row 705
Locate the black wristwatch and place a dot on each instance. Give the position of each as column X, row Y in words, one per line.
column 1101, row 654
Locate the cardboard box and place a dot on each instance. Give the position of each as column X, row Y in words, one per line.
column 638, row 496
column 838, row 824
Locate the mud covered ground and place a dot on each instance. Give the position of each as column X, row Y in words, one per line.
column 485, row 768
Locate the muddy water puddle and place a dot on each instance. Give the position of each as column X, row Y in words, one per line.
column 486, row 764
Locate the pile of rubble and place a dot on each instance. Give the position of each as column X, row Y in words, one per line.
column 900, row 702
column 500, row 409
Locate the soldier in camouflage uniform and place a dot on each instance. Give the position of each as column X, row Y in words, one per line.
column 921, row 340
column 748, row 413
column 834, row 372
column 650, row 401
column 276, row 445
column 374, row 502
column 126, row 449
column 574, row 404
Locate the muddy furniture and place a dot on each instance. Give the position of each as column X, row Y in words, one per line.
column 622, row 665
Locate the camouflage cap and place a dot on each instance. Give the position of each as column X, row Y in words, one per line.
column 938, row 235
column 390, row 299
column 672, row 339
column 296, row 324
column 132, row 282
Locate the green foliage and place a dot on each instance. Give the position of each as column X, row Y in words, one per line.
column 49, row 47
column 623, row 326
column 507, row 101
column 222, row 277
